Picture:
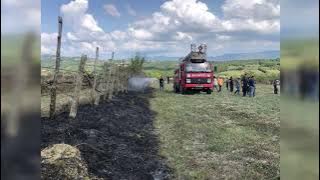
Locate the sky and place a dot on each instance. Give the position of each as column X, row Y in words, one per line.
column 160, row 27
column 299, row 19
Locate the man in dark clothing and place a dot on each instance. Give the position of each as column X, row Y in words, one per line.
column 168, row 79
column 161, row 81
column 227, row 84
column 244, row 85
column 254, row 89
column 275, row 86
column 231, row 84
column 251, row 86
column 304, row 81
column 237, row 82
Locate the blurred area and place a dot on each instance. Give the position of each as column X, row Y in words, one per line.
column 20, row 89
column 300, row 89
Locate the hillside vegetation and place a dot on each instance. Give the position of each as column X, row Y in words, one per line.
column 263, row 70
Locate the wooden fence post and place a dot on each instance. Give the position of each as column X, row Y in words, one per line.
column 120, row 77
column 106, row 75
column 94, row 95
column 19, row 86
column 53, row 92
column 116, row 79
column 77, row 90
column 125, row 79
column 111, row 85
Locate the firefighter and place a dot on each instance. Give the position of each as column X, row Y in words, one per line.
column 275, row 86
column 252, row 86
column 215, row 83
column 161, row 81
column 244, row 85
column 227, row 84
column 231, row 84
column 237, row 83
column 220, row 83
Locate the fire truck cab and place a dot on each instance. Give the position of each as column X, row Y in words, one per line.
column 194, row 72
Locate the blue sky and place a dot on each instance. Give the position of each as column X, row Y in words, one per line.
column 239, row 25
column 51, row 9
column 161, row 27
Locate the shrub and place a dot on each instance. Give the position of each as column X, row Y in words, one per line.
column 136, row 64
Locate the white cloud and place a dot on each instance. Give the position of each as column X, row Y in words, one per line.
column 223, row 37
column 261, row 16
column 118, row 35
column 75, row 14
column 130, row 10
column 140, row 34
column 72, row 37
column 20, row 16
column 90, row 23
column 182, row 36
column 262, row 26
column 190, row 13
column 111, row 10
column 171, row 29
column 48, row 43
column 252, row 9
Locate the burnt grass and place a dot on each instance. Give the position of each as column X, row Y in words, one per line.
column 20, row 154
column 117, row 139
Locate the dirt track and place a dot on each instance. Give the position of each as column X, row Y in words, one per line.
column 116, row 139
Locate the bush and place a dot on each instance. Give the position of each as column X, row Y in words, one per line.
column 262, row 70
column 136, row 64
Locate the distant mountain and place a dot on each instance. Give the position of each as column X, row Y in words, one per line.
column 163, row 58
column 247, row 56
column 228, row 57
column 224, row 57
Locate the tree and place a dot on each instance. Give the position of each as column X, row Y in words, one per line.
column 136, row 64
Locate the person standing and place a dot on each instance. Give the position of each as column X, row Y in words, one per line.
column 244, row 85
column 215, row 83
column 237, row 83
column 220, row 83
column 254, row 86
column 251, row 86
column 227, row 84
column 231, row 84
column 168, row 79
column 161, row 81
column 275, row 86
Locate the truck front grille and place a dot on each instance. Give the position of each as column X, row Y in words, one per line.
column 199, row 81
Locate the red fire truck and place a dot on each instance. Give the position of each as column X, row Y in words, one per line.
column 194, row 73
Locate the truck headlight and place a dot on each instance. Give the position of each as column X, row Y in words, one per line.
column 188, row 75
column 208, row 80
column 188, row 80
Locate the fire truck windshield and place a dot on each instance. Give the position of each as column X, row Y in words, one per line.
column 198, row 67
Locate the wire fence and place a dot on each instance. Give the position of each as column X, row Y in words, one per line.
column 77, row 82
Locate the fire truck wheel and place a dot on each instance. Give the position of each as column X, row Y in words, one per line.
column 209, row 91
column 182, row 90
column 176, row 89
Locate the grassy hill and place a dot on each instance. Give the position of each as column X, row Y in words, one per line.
column 263, row 70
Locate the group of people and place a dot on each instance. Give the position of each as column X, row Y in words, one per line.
column 248, row 85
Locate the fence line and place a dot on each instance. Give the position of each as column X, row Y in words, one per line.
column 106, row 79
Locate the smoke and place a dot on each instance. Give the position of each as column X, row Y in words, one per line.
column 139, row 83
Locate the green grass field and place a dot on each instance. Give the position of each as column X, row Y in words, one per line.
column 264, row 70
column 299, row 139
column 219, row 136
